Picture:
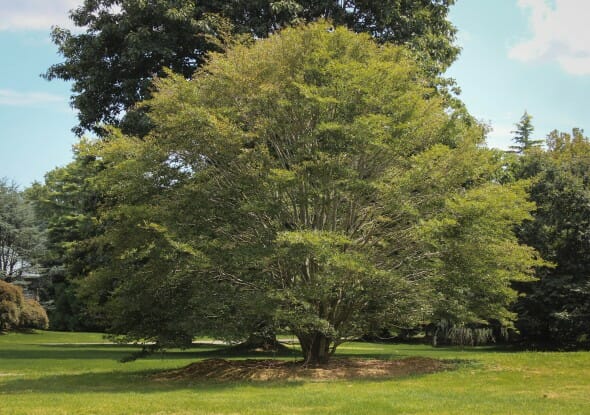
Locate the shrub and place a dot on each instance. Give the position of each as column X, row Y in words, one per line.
column 33, row 316
column 11, row 304
column 462, row 334
column 18, row 312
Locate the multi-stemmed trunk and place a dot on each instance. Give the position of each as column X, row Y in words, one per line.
column 316, row 348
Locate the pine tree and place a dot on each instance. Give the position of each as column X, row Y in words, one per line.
column 523, row 135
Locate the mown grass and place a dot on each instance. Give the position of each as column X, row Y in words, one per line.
column 78, row 373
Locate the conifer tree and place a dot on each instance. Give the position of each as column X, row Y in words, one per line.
column 523, row 135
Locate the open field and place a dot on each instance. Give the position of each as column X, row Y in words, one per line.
column 73, row 373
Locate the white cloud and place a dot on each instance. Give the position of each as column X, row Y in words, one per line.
column 560, row 33
column 35, row 14
column 500, row 136
column 29, row 99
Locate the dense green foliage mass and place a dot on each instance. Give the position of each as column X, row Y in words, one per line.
column 556, row 308
column 308, row 182
column 66, row 206
column 126, row 43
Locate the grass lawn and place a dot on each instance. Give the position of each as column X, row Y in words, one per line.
column 73, row 373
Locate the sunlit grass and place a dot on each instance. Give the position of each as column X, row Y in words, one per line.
column 79, row 373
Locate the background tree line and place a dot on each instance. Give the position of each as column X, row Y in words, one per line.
column 21, row 245
column 556, row 307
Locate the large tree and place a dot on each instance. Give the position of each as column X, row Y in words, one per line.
column 126, row 43
column 305, row 180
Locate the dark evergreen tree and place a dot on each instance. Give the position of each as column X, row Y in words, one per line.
column 523, row 135
column 126, row 43
column 556, row 309
column 66, row 206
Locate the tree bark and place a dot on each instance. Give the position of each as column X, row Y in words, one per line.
column 316, row 348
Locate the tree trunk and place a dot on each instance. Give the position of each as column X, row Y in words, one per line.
column 315, row 347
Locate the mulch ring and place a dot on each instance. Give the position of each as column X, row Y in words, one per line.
column 221, row 370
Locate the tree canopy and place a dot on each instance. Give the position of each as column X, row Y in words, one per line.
column 306, row 180
column 126, row 43
column 556, row 308
column 66, row 208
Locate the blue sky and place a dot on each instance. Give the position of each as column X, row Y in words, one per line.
column 517, row 55
column 531, row 55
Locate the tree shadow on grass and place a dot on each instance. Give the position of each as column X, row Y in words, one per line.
column 155, row 381
column 150, row 380
column 198, row 351
column 61, row 354
column 108, row 382
column 489, row 349
column 118, row 352
column 100, row 352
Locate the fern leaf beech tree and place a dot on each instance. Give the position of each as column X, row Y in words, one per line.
column 305, row 179
column 124, row 44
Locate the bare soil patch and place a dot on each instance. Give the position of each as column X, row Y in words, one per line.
column 221, row 370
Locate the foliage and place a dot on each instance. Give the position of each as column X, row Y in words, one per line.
column 20, row 239
column 467, row 219
column 18, row 312
column 126, row 43
column 523, row 135
column 329, row 197
column 33, row 316
column 11, row 302
column 556, row 309
column 462, row 334
column 420, row 25
column 66, row 206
